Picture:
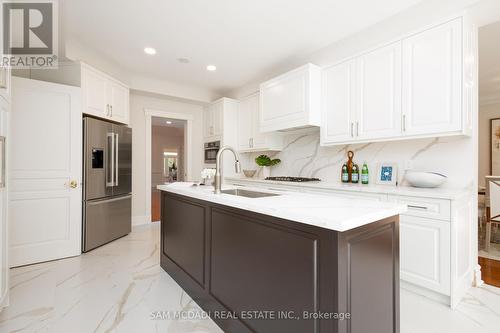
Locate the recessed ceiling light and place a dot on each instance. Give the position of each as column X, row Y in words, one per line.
column 169, row 122
column 211, row 68
column 149, row 50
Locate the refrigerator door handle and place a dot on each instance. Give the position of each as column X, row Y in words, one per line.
column 116, row 160
column 110, row 169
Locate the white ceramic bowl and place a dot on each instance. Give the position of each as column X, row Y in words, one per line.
column 425, row 179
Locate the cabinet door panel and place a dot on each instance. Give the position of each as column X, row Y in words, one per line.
column 95, row 94
column 119, row 103
column 217, row 118
column 379, row 93
column 338, row 103
column 425, row 253
column 286, row 259
column 259, row 139
column 207, row 122
column 4, row 265
column 432, row 80
column 245, row 123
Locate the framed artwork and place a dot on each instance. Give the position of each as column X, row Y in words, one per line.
column 387, row 174
column 495, row 147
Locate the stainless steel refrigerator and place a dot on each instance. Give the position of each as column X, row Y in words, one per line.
column 107, row 177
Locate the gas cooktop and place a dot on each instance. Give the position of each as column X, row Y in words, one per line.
column 293, row 179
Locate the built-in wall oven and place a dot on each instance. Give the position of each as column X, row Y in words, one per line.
column 211, row 150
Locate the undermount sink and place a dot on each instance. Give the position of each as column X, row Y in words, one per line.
column 247, row 193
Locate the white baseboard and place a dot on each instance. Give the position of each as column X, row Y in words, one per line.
column 141, row 220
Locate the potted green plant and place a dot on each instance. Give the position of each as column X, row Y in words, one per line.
column 266, row 162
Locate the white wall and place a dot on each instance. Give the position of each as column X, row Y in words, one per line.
column 138, row 103
column 486, row 112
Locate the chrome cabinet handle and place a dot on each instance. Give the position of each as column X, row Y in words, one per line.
column 404, row 123
column 111, row 109
column 357, row 128
column 2, row 161
column 116, row 158
column 352, row 130
column 418, row 207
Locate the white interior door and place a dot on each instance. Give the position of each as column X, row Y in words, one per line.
column 44, row 208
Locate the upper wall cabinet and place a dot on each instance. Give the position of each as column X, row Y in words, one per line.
column 103, row 96
column 362, row 97
column 412, row 88
column 5, row 80
column 212, row 121
column 291, row 100
column 250, row 138
column 432, row 80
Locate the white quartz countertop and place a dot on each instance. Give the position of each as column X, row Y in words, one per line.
column 438, row 193
column 325, row 211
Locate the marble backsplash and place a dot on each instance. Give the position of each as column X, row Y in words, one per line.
column 303, row 156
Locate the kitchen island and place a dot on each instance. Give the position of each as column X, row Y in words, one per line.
column 267, row 261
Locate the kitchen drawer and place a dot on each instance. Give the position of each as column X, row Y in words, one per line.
column 439, row 209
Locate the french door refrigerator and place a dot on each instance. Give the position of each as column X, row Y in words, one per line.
column 107, row 177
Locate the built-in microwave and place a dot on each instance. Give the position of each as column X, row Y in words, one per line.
column 211, row 150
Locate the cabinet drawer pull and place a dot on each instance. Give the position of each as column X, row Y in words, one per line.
column 357, row 128
column 418, row 207
column 352, row 129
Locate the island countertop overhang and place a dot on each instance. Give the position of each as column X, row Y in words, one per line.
column 325, row 211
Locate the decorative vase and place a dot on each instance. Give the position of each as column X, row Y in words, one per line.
column 266, row 172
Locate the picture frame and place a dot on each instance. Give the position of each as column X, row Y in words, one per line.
column 387, row 174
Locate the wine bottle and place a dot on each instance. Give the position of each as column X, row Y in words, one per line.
column 345, row 174
column 355, row 174
column 364, row 174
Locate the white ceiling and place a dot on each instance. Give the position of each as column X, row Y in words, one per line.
column 244, row 39
column 489, row 64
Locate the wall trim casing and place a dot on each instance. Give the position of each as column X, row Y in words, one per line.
column 188, row 140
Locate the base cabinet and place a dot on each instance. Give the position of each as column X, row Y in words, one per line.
column 237, row 261
column 427, row 266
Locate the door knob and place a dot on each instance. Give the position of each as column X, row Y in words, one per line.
column 73, row 184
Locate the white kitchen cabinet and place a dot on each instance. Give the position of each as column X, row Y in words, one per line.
column 425, row 253
column 4, row 266
column 338, row 103
column 5, row 82
column 250, row 138
column 432, row 80
column 378, row 91
column 416, row 87
column 103, row 96
column 212, row 120
column 362, row 97
column 291, row 100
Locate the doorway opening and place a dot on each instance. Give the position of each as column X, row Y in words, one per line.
column 489, row 154
column 167, row 157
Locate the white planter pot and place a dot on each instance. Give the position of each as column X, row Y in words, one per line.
column 266, row 172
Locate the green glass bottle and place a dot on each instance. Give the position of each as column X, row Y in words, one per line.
column 345, row 174
column 355, row 174
column 365, row 178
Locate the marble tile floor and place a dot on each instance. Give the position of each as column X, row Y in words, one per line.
column 117, row 287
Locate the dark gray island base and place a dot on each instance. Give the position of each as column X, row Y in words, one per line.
column 235, row 262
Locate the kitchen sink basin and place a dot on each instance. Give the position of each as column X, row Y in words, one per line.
column 248, row 194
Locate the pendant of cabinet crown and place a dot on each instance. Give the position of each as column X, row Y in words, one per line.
column 250, row 138
column 416, row 87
